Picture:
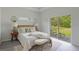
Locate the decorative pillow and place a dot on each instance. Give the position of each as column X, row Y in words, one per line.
column 33, row 29
column 21, row 30
column 27, row 30
column 24, row 30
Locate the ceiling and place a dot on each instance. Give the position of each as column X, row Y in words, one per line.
column 38, row 9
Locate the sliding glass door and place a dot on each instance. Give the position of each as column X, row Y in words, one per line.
column 54, row 27
column 61, row 27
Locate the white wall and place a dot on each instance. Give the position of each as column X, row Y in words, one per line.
column 0, row 24
column 19, row 12
column 74, row 12
column 42, row 18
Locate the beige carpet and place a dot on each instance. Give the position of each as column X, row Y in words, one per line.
column 57, row 45
column 15, row 46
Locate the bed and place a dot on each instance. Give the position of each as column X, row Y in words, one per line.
column 29, row 36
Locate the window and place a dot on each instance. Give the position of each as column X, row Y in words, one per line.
column 61, row 26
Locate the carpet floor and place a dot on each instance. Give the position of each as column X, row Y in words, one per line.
column 57, row 45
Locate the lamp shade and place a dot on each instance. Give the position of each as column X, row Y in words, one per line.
column 13, row 18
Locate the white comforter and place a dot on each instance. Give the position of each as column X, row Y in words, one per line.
column 27, row 39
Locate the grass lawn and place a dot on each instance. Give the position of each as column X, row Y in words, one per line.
column 63, row 30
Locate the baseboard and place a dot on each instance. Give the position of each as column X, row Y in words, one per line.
column 5, row 40
column 75, row 44
column 0, row 41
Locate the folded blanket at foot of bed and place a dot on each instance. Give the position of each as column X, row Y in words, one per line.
column 41, row 41
column 41, row 44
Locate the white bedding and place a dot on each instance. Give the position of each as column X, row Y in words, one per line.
column 27, row 39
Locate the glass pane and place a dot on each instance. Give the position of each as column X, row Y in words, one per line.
column 54, row 26
column 65, row 25
column 61, row 27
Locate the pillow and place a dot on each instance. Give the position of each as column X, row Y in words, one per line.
column 24, row 30
column 21, row 30
column 27, row 30
column 32, row 29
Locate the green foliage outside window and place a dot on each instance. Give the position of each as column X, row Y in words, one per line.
column 63, row 23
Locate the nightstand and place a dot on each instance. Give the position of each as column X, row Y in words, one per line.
column 14, row 36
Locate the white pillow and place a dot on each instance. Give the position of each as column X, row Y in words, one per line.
column 33, row 29
column 27, row 30
column 24, row 30
column 21, row 30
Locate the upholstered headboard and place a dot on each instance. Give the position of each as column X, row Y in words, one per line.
column 27, row 28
